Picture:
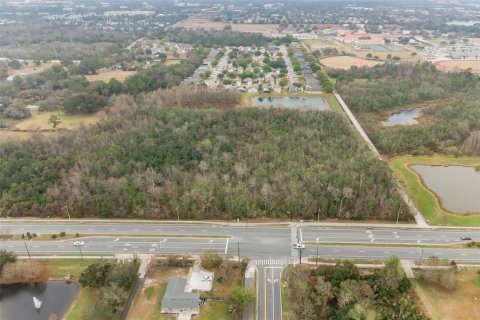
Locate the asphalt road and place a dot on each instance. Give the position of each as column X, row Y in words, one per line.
column 109, row 245
column 270, row 247
column 254, row 242
column 269, row 293
column 382, row 253
column 391, row 236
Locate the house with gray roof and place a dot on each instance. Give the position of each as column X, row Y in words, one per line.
column 176, row 300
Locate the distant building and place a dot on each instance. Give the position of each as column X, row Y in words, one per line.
column 177, row 301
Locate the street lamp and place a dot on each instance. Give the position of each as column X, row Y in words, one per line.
column 26, row 247
column 316, row 260
column 290, row 214
column 80, row 245
column 160, row 247
column 420, row 250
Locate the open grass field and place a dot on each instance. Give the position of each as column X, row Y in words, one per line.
column 460, row 303
column 39, row 121
column 214, row 25
column 105, row 76
column 31, row 68
column 318, row 44
column 458, row 65
column 425, row 200
column 345, row 62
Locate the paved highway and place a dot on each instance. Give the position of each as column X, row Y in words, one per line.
column 270, row 247
column 380, row 235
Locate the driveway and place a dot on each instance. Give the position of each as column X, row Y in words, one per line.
column 196, row 279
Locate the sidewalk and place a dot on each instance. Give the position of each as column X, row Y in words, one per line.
column 416, row 213
column 249, row 313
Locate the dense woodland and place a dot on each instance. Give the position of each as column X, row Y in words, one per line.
column 449, row 124
column 220, row 39
column 48, row 41
column 341, row 292
column 150, row 161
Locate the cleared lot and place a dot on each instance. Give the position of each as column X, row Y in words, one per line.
column 346, row 62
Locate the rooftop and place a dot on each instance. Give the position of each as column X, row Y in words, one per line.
column 176, row 298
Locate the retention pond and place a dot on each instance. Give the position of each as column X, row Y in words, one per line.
column 457, row 187
column 303, row 103
column 52, row 297
column 403, row 118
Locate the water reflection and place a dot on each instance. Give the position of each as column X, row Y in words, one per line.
column 403, row 118
column 457, row 187
column 305, row 103
column 16, row 300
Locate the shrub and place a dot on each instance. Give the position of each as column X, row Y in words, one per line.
column 62, row 234
column 16, row 111
column 211, row 260
column 54, row 236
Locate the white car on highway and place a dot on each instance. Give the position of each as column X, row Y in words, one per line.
column 78, row 243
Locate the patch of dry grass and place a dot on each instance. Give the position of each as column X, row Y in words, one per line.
column 318, row 44
column 105, row 76
column 39, row 121
column 345, row 62
column 458, row 65
column 460, row 303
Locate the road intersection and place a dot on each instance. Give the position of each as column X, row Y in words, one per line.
column 268, row 247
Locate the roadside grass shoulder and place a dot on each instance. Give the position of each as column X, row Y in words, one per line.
column 83, row 304
column 285, row 294
column 459, row 303
column 426, row 201
column 58, row 268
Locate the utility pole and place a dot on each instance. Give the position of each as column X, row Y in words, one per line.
column 28, row 252
column 238, row 249
column 316, row 260
column 80, row 249
column 300, row 255
column 290, row 214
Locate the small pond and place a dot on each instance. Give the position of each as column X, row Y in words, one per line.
column 458, row 187
column 16, row 300
column 403, row 118
column 303, row 103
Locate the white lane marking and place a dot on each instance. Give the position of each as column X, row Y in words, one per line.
column 464, row 254
column 127, row 244
column 226, row 246
column 210, row 241
column 116, row 240
column 125, row 249
column 151, row 250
